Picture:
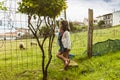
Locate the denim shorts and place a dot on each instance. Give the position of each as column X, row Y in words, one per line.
column 62, row 49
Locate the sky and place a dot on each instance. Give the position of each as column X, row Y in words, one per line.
column 78, row 9
column 10, row 19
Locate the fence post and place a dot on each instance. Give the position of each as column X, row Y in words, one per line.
column 90, row 32
column 65, row 17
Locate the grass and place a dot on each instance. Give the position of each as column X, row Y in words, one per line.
column 26, row 65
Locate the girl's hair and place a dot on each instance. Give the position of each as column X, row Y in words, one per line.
column 65, row 25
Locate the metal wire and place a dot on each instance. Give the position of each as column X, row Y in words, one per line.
column 12, row 20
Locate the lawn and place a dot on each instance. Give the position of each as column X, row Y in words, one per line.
column 26, row 64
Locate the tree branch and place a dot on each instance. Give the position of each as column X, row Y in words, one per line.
column 38, row 24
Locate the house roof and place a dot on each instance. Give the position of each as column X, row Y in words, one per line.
column 22, row 28
column 117, row 11
column 8, row 34
column 107, row 14
column 98, row 16
column 104, row 15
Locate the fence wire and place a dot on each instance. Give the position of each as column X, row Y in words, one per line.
column 14, row 25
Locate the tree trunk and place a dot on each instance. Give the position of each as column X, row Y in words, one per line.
column 45, row 75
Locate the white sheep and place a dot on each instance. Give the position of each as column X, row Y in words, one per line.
column 22, row 46
column 33, row 43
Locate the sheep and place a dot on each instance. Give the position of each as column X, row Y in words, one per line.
column 22, row 46
column 33, row 43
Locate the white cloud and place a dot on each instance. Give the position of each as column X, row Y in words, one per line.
column 78, row 9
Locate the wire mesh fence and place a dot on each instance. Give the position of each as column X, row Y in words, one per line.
column 14, row 31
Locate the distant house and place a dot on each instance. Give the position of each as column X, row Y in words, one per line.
column 99, row 18
column 8, row 36
column 14, row 35
column 22, row 31
column 85, row 21
column 112, row 19
column 116, row 18
column 107, row 18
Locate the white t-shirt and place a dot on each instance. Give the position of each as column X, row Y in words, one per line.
column 66, row 40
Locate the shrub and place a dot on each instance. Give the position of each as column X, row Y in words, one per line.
column 75, row 26
column 101, row 24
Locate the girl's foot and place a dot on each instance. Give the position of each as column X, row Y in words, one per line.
column 66, row 64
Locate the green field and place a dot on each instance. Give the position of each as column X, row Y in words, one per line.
column 18, row 64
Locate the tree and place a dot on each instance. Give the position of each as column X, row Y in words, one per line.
column 101, row 23
column 2, row 7
column 47, row 11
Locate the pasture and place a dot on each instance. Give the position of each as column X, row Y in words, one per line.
column 16, row 64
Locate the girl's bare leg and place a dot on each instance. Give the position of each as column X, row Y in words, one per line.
column 66, row 55
column 64, row 59
column 60, row 55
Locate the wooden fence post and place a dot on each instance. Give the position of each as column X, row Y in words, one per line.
column 65, row 17
column 90, row 32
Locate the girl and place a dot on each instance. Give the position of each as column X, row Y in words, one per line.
column 64, row 43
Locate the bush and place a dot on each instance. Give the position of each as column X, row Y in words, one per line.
column 45, row 31
column 75, row 26
column 26, row 36
column 100, row 23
